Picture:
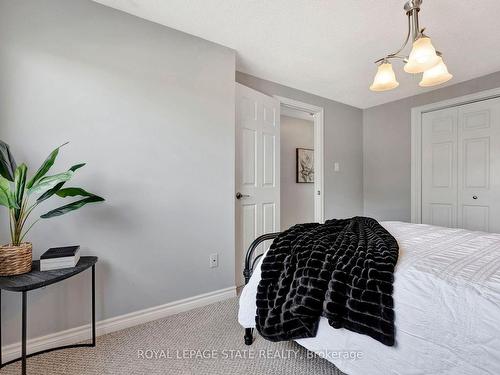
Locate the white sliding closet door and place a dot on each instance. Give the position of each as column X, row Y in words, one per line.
column 461, row 166
column 479, row 166
column 439, row 168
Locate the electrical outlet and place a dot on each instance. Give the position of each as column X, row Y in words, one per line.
column 214, row 260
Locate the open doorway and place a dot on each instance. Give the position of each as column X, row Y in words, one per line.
column 301, row 163
column 297, row 167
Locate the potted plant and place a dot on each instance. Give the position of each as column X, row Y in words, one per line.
column 21, row 196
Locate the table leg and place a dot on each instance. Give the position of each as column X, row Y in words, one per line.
column 93, row 305
column 23, row 335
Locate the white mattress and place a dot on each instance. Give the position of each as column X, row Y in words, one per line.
column 447, row 306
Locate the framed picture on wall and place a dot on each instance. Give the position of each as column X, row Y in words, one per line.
column 305, row 165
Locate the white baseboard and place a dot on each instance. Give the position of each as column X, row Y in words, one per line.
column 75, row 335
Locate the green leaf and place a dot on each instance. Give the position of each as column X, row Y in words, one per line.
column 4, row 192
column 56, row 188
column 73, row 192
column 20, row 182
column 19, row 188
column 4, row 200
column 76, row 166
column 49, row 182
column 45, row 167
column 6, row 197
column 7, row 162
column 71, row 207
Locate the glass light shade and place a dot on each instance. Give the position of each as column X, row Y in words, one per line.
column 436, row 75
column 385, row 79
column 422, row 56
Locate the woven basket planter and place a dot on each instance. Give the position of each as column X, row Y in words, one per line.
column 15, row 260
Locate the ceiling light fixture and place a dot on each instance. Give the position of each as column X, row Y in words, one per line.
column 423, row 57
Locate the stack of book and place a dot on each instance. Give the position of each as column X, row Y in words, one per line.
column 60, row 257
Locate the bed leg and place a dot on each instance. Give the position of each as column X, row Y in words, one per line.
column 248, row 336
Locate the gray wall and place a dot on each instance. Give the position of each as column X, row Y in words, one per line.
column 151, row 110
column 387, row 148
column 342, row 142
column 296, row 199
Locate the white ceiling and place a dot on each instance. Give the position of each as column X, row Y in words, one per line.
column 327, row 47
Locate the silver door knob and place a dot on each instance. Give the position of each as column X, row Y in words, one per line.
column 239, row 195
column 474, row 197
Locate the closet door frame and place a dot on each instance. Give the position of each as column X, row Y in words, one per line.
column 416, row 142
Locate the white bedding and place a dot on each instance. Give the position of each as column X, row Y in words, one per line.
column 447, row 306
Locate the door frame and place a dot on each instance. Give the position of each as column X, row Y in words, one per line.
column 416, row 142
column 319, row 181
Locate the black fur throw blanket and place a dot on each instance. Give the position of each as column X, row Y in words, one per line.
column 342, row 270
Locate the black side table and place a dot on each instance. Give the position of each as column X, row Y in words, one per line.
column 38, row 279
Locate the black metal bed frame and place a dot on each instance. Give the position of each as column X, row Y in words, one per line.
column 250, row 262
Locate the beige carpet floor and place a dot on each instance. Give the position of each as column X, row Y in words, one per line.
column 174, row 345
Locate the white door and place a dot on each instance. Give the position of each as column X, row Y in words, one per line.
column 439, row 168
column 257, row 170
column 461, row 166
column 479, row 166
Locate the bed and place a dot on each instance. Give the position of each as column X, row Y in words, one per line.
column 447, row 306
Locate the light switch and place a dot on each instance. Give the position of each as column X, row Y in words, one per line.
column 336, row 167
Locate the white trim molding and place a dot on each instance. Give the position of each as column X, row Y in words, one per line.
column 82, row 333
column 319, row 181
column 416, row 142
